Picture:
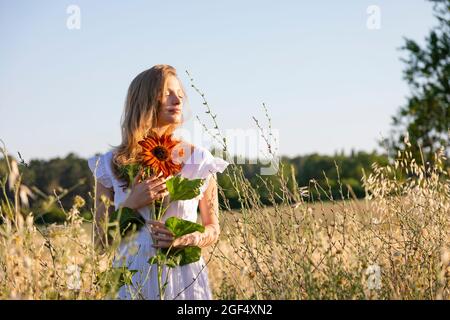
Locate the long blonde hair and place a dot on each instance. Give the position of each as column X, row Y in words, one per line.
column 140, row 114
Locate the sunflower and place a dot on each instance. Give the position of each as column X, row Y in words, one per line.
column 157, row 154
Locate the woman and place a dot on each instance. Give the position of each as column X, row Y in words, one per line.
column 154, row 104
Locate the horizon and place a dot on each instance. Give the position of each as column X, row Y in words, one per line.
column 335, row 154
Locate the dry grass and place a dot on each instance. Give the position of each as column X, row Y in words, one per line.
column 394, row 244
column 296, row 249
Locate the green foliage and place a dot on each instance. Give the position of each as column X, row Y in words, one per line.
column 53, row 214
column 127, row 219
column 180, row 227
column 426, row 116
column 184, row 256
column 129, row 172
column 46, row 175
column 113, row 279
column 183, row 189
column 173, row 257
column 322, row 168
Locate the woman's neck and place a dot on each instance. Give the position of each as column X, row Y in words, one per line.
column 160, row 130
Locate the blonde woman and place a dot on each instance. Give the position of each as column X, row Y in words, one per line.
column 155, row 103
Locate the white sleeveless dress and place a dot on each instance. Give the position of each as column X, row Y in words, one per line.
column 188, row 282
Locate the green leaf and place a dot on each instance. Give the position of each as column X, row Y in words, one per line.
column 180, row 227
column 182, row 256
column 152, row 260
column 159, row 258
column 126, row 277
column 127, row 219
column 113, row 279
column 173, row 261
column 187, row 255
column 181, row 188
column 174, row 257
column 128, row 172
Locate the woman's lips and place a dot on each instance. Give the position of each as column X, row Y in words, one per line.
column 174, row 111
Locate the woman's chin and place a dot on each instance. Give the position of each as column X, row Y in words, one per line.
column 176, row 119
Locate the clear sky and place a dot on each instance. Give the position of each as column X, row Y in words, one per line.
column 330, row 82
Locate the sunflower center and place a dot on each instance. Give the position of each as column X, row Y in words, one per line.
column 160, row 153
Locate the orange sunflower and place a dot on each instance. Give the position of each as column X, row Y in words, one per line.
column 157, row 154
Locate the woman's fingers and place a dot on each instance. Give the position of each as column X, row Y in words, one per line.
column 178, row 243
column 154, row 177
column 163, row 194
column 158, row 227
column 156, row 182
column 159, row 188
column 158, row 195
column 138, row 177
column 165, row 232
column 156, row 223
column 162, row 244
column 162, row 237
column 161, row 240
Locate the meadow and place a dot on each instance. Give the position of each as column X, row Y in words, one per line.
column 393, row 244
column 285, row 240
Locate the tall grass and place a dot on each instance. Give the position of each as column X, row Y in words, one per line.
column 305, row 244
column 51, row 261
column 394, row 244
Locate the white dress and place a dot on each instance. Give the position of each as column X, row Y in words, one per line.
column 188, row 282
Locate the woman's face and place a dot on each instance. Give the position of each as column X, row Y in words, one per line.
column 171, row 108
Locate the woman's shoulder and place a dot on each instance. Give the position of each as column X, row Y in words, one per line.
column 100, row 165
column 102, row 159
column 204, row 162
column 197, row 154
column 193, row 154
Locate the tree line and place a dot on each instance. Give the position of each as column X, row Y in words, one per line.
column 55, row 182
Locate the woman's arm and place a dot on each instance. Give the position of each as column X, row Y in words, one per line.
column 209, row 211
column 100, row 214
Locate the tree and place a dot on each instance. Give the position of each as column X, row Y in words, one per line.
column 426, row 116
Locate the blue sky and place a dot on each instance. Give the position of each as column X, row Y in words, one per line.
column 329, row 82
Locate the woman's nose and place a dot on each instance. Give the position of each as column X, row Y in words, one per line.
column 176, row 100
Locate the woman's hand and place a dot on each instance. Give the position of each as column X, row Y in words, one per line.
column 164, row 238
column 145, row 192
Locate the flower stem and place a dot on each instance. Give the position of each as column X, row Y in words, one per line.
column 156, row 216
column 160, row 264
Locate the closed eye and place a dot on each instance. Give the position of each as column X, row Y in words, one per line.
column 180, row 95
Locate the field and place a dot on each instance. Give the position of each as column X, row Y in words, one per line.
column 394, row 244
